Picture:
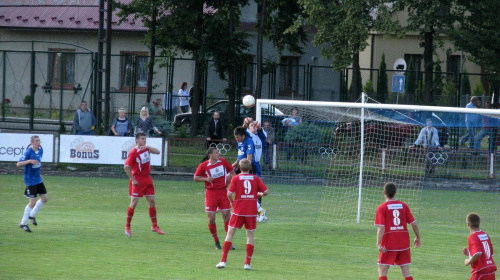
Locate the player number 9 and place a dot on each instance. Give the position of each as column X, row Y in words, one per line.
column 248, row 186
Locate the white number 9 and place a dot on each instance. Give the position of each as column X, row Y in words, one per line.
column 248, row 186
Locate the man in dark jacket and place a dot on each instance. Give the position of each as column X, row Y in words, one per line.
column 216, row 129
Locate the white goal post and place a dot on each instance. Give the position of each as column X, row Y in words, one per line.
column 335, row 114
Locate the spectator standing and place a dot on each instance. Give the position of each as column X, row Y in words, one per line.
column 216, row 173
column 393, row 240
column 244, row 190
column 268, row 149
column 487, row 130
column 429, row 138
column 84, row 121
column 216, row 129
column 184, row 98
column 170, row 105
column 138, row 169
column 471, row 121
column 289, row 123
column 144, row 123
column 32, row 163
column 479, row 251
column 121, row 125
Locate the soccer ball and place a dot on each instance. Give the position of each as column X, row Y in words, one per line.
column 248, row 101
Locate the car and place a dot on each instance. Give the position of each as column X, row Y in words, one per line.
column 400, row 128
column 184, row 119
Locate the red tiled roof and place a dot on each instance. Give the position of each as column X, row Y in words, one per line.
column 67, row 14
column 61, row 17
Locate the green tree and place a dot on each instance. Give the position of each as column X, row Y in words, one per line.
column 476, row 31
column 382, row 87
column 466, row 88
column 438, row 85
column 275, row 21
column 431, row 18
column 343, row 28
column 411, row 80
column 478, row 90
column 197, row 28
column 368, row 88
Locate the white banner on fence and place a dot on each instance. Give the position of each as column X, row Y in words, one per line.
column 102, row 149
column 13, row 146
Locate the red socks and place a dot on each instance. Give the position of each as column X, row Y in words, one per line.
column 226, row 225
column 152, row 215
column 248, row 259
column 225, row 249
column 130, row 214
column 409, row 278
column 382, row 278
column 213, row 230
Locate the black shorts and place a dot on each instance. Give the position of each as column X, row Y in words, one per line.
column 33, row 191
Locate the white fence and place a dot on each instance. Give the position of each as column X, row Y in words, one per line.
column 77, row 148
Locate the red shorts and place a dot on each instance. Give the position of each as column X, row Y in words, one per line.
column 216, row 200
column 395, row 258
column 238, row 221
column 145, row 187
column 485, row 274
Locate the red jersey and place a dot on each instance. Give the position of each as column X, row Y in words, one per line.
column 245, row 187
column 394, row 215
column 479, row 242
column 139, row 161
column 218, row 171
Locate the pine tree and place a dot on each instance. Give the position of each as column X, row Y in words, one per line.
column 382, row 88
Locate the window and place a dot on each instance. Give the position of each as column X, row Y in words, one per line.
column 134, row 70
column 61, row 68
column 417, row 64
column 247, row 76
column 289, row 75
column 453, row 67
column 417, row 61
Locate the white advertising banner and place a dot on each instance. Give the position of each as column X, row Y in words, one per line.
column 102, row 149
column 13, row 146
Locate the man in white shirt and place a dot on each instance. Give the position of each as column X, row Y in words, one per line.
column 429, row 139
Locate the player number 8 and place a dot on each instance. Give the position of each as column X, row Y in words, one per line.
column 396, row 219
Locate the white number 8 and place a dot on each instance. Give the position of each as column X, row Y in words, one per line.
column 396, row 219
column 248, row 186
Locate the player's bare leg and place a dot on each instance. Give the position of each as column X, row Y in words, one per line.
column 152, row 214
column 382, row 271
column 405, row 270
column 226, row 216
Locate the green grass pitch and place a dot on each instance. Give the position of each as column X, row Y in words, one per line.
column 81, row 236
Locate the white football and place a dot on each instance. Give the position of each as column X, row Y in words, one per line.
column 248, row 101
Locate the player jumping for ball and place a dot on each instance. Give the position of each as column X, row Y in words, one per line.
column 138, row 169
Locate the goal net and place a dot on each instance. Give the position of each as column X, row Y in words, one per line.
column 330, row 161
